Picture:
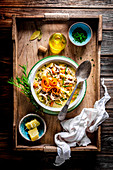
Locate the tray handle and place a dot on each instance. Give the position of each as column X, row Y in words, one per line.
column 100, row 28
column 56, row 16
column 50, row 148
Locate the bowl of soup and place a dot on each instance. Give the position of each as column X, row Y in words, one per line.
column 52, row 81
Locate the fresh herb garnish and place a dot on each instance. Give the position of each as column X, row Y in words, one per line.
column 79, row 35
column 58, row 103
column 63, row 81
column 62, row 99
column 22, row 83
column 67, row 85
column 40, row 36
column 35, row 35
column 65, row 70
column 48, row 98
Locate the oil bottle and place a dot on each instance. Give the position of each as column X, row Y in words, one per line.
column 57, row 43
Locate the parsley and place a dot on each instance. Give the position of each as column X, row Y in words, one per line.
column 79, row 35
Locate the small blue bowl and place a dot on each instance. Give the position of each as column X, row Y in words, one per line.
column 22, row 128
column 85, row 27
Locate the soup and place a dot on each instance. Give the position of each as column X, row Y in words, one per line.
column 54, row 83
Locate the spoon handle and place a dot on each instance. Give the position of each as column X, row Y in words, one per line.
column 63, row 112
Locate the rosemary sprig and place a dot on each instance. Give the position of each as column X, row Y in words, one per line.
column 23, row 84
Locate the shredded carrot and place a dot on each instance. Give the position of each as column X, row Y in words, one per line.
column 69, row 87
column 53, row 70
column 62, row 71
column 45, row 82
column 46, row 89
column 51, row 104
column 74, row 96
column 56, row 90
column 53, row 82
column 76, row 92
column 35, row 84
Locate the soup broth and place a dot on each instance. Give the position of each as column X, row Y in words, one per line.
column 54, row 83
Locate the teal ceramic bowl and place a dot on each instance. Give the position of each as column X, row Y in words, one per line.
column 22, row 128
column 42, row 62
column 85, row 27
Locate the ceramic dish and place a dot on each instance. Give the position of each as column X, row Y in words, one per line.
column 28, row 118
column 49, row 59
column 85, row 27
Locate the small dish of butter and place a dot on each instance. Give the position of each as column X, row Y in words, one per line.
column 32, row 127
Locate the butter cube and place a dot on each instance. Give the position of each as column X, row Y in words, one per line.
column 32, row 124
column 34, row 134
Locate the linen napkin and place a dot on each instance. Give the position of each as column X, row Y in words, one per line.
column 75, row 129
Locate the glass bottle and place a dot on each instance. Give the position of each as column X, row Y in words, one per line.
column 57, row 43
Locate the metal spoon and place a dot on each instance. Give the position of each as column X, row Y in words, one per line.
column 82, row 73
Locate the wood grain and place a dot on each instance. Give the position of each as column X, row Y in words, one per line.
column 6, row 14
column 107, row 66
column 21, row 35
column 58, row 3
column 109, row 84
column 107, row 43
column 80, row 161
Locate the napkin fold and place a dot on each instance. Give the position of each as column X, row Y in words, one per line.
column 75, row 129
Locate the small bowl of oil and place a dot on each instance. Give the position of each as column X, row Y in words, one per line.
column 57, row 43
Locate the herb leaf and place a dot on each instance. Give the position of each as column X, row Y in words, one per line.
column 67, row 85
column 79, row 35
column 40, row 36
column 22, row 83
column 58, row 103
column 35, row 35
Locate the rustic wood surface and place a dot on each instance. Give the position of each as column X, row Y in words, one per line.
column 25, row 50
column 79, row 160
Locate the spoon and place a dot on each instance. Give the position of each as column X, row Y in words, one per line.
column 82, row 73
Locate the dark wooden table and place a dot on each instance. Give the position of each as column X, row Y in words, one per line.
column 79, row 160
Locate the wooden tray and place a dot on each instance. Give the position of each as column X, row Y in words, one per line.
column 27, row 52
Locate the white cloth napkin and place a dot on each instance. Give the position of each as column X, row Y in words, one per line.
column 75, row 129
